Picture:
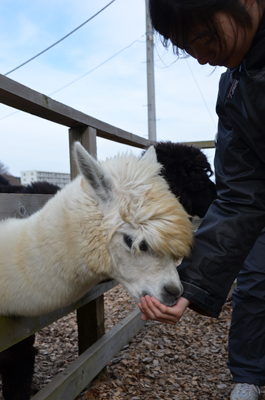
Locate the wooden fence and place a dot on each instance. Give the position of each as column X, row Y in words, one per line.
column 96, row 348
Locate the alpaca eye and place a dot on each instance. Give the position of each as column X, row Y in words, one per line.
column 143, row 246
column 128, row 240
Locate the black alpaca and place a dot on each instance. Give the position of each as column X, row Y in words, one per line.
column 17, row 362
column 33, row 188
column 188, row 172
column 17, row 369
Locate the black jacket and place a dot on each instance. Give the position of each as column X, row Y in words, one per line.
column 235, row 220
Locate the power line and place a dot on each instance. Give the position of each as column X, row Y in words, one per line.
column 9, row 115
column 201, row 93
column 58, row 41
column 82, row 76
column 194, row 78
column 100, row 65
column 161, row 59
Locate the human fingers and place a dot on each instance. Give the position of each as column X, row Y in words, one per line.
column 153, row 309
column 163, row 319
column 148, row 307
column 176, row 311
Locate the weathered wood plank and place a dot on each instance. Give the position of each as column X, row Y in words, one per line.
column 93, row 311
column 204, row 144
column 21, row 205
column 18, row 96
column 21, row 97
column 87, row 136
column 14, row 329
column 90, row 320
column 68, row 384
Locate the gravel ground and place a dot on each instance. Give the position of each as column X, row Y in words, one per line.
column 183, row 362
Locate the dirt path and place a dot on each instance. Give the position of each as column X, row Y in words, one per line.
column 184, row 362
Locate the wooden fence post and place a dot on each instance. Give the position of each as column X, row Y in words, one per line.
column 90, row 317
column 87, row 136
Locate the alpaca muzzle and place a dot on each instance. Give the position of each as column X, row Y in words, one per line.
column 171, row 294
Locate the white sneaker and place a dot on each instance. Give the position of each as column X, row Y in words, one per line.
column 245, row 391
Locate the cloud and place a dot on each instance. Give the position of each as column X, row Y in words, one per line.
column 114, row 93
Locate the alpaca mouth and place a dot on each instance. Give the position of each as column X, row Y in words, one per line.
column 171, row 303
column 169, row 296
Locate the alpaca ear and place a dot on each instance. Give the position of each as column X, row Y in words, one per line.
column 150, row 154
column 93, row 172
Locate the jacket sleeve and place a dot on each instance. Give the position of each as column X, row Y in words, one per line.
column 233, row 221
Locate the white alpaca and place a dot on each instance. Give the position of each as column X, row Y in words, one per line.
column 117, row 219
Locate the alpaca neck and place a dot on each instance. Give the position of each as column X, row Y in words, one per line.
column 71, row 225
column 54, row 257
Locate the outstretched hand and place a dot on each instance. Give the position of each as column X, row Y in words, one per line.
column 153, row 309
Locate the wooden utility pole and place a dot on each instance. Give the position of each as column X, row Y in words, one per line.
column 150, row 76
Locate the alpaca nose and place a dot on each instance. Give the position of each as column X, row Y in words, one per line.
column 171, row 293
column 174, row 290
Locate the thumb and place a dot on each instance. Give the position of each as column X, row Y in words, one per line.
column 181, row 304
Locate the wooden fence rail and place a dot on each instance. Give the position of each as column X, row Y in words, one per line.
column 22, row 98
column 96, row 347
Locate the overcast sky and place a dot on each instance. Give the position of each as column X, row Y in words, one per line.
column 115, row 93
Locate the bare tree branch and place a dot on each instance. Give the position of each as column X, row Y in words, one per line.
column 3, row 168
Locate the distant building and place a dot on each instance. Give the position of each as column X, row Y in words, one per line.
column 56, row 178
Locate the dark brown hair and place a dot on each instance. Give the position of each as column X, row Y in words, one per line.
column 179, row 18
